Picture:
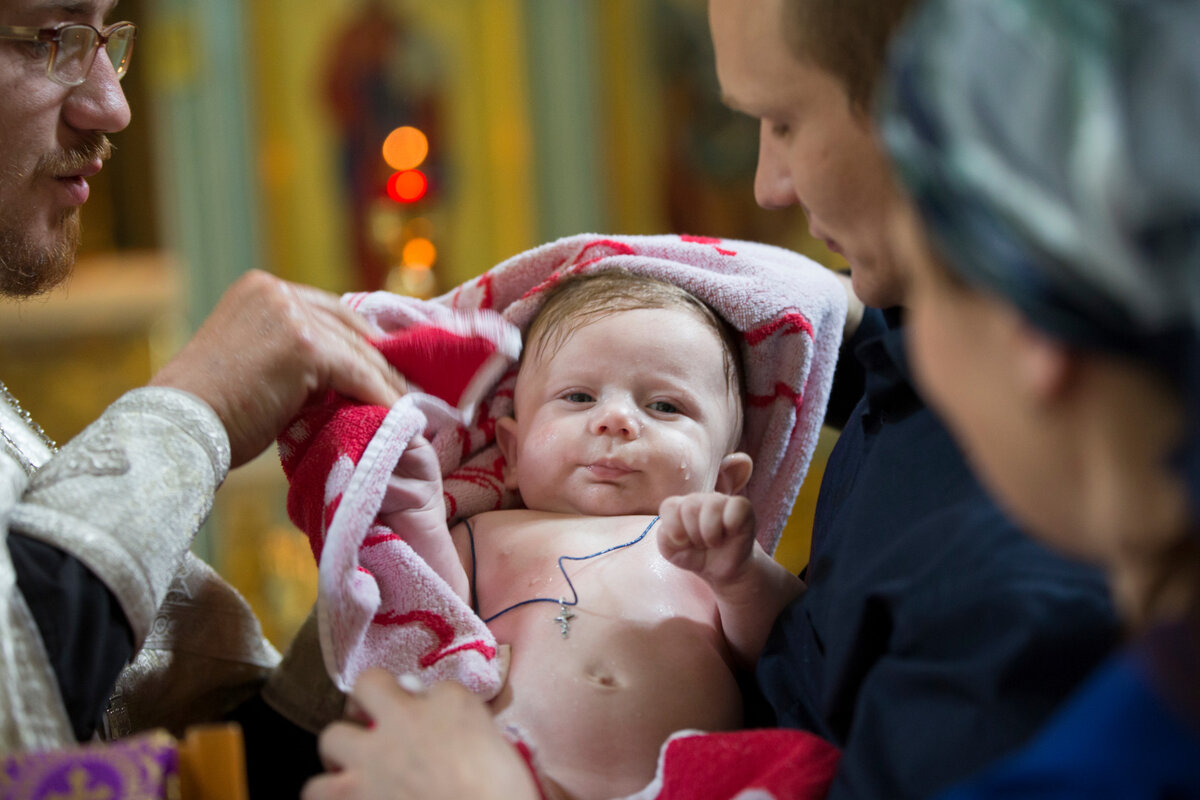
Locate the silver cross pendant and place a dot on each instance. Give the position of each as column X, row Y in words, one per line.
column 564, row 618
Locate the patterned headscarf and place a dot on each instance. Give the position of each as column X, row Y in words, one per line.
column 1053, row 148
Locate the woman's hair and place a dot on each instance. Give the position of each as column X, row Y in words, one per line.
column 580, row 299
column 1080, row 203
column 847, row 38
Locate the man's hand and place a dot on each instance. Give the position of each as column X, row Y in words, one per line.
column 269, row 346
column 709, row 534
column 438, row 744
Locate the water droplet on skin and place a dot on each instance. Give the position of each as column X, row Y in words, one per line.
column 683, row 468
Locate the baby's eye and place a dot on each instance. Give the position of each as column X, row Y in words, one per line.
column 578, row 397
column 664, row 407
column 780, row 130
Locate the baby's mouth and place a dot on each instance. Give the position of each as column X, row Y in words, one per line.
column 608, row 469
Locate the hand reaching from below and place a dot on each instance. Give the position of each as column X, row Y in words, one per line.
column 709, row 534
column 269, row 346
column 438, row 744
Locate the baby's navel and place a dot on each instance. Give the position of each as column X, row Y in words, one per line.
column 601, row 675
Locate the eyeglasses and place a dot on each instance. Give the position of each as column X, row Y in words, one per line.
column 73, row 47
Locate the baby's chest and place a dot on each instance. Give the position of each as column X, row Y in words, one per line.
column 634, row 584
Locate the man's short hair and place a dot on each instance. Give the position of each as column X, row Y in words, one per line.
column 847, row 38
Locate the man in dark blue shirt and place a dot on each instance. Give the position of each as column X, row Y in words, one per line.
column 934, row 636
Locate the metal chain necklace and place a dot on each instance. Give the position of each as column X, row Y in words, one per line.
column 30, row 423
column 565, row 615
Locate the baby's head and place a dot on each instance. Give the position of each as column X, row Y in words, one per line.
column 629, row 392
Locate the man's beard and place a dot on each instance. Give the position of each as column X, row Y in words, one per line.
column 27, row 268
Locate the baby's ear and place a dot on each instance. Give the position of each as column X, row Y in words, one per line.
column 506, row 440
column 734, row 472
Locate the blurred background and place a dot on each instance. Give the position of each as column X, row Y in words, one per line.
column 367, row 144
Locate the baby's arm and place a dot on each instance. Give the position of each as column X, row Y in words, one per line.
column 413, row 507
column 712, row 535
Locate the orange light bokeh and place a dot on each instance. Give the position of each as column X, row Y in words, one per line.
column 405, row 148
column 419, row 252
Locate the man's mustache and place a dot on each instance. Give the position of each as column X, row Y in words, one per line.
column 69, row 162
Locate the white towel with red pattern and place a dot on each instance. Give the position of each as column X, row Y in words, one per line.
column 379, row 604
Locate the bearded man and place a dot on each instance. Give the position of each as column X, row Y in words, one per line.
column 94, row 536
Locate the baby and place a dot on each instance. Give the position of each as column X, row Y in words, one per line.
column 630, row 586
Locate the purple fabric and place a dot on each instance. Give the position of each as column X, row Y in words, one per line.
column 142, row 767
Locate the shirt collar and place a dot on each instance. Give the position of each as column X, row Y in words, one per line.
column 890, row 394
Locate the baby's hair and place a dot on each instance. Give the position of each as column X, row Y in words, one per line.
column 580, row 299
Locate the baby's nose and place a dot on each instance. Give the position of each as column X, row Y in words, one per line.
column 615, row 418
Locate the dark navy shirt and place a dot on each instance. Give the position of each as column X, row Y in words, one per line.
column 1119, row 738
column 934, row 636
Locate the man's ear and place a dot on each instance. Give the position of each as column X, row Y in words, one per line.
column 506, row 440
column 734, row 473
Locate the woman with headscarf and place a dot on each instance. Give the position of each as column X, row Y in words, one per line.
column 1051, row 151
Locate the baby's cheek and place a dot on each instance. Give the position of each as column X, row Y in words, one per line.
column 542, row 442
column 543, row 467
column 690, row 474
column 686, row 474
column 694, row 463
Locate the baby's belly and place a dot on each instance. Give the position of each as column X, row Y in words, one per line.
column 598, row 705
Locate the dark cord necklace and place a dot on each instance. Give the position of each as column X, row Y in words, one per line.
column 564, row 615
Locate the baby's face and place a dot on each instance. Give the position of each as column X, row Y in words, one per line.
column 632, row 409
